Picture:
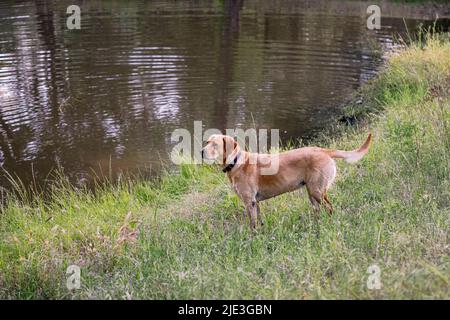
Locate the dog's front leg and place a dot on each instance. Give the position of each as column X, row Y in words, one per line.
column 252, row 212
column 258, row 212
column 248, row 197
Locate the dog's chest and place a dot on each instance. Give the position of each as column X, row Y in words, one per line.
column 235, row 185
column 240, row 185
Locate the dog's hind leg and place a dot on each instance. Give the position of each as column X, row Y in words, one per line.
column 318, row 198
column 328, row 203
column 317, row 185
column 314, row 199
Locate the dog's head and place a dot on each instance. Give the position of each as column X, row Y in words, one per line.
column 220, row 148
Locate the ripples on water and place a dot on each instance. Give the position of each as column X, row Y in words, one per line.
column 109, row 95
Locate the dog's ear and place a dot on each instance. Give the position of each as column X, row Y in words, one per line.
column 229, row 145
column 224, row 153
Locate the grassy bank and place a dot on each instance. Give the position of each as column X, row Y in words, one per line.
column 184, row 236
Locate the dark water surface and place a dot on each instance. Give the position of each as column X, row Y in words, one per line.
column 107, row 97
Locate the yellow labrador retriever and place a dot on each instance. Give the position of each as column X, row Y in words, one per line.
column 312, row 167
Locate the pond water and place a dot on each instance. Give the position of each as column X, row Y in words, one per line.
column 106, row 98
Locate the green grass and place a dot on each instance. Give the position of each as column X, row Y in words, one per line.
column 184, row 235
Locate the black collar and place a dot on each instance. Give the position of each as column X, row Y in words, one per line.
column 231, row 165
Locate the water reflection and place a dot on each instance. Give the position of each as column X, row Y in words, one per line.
column 109, row 95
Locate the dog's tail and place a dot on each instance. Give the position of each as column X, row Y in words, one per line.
column 352, row 156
